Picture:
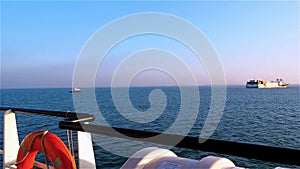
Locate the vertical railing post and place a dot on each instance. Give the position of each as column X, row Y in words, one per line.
column 10, row 139
column 86, row 157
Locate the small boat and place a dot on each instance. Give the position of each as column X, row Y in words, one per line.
column 278, row 83
column 75, row 90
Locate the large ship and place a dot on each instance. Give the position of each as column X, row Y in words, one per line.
column 278, row 83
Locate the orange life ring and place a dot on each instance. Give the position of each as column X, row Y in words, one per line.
column 50, row 144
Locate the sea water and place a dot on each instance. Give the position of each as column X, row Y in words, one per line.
column 258, row 116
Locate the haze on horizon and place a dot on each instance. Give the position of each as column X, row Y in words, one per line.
column 41, row 41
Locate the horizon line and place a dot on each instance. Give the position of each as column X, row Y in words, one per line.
column 90, row 87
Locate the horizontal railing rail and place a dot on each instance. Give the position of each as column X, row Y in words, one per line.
column 246, row 150
column 70, row 116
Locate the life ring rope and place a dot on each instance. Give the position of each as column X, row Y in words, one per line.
column 27, row 151
column 43, row 146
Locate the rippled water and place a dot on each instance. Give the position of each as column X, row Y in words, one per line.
column 260, row 116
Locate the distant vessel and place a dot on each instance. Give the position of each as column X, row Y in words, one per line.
column 278, row 83
column 75, row 90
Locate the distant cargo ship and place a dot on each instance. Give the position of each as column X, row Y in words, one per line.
column 278, row 83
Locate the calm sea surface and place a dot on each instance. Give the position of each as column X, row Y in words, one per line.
column 260, row 116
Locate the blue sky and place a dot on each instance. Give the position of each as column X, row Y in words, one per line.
column 41, row 41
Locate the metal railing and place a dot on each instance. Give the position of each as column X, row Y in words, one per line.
column 75, row 121
column 11, row 142
column 246, row 150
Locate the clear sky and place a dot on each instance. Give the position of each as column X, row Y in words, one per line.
column 41, row 41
